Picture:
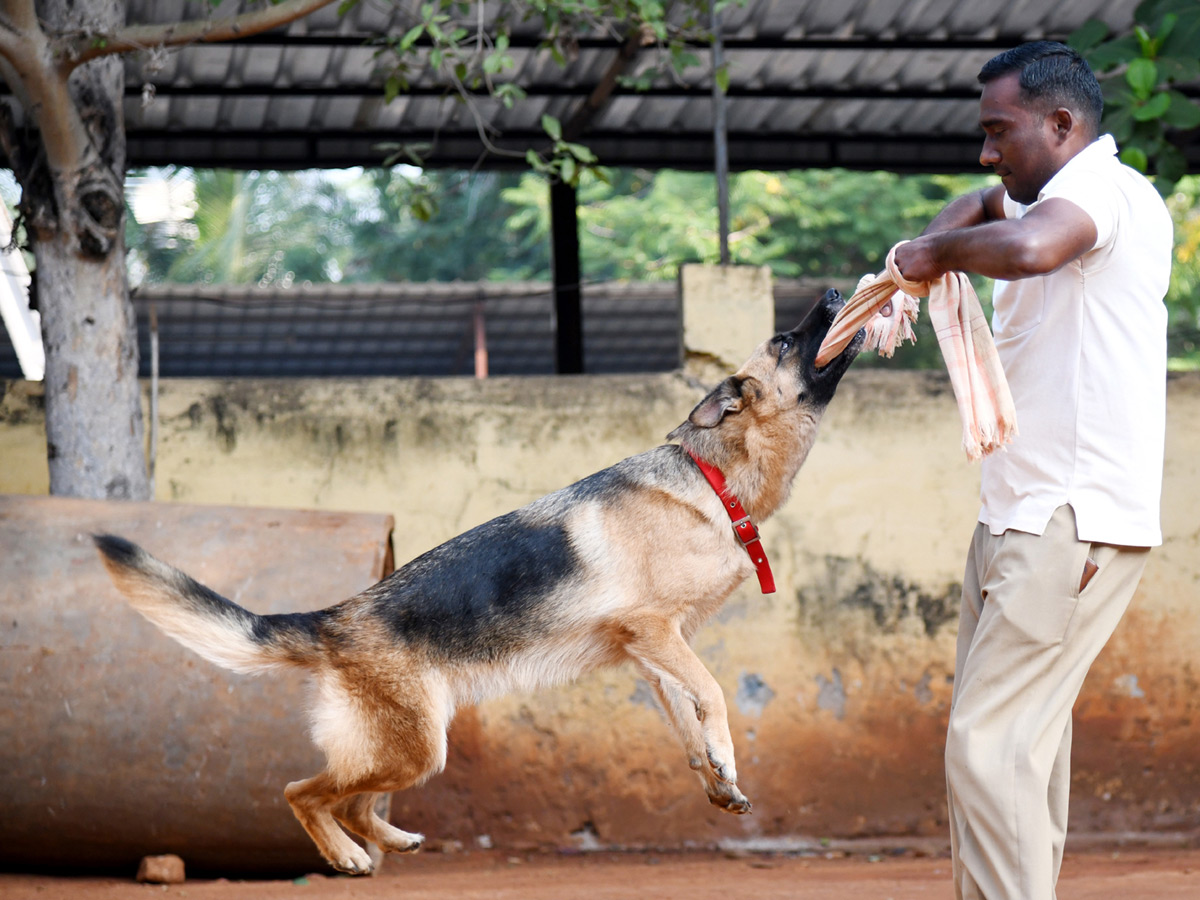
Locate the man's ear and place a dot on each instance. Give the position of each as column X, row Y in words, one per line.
column 730, row 396
column 1064, row 122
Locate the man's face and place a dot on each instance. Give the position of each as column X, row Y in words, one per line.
column 1019, row 143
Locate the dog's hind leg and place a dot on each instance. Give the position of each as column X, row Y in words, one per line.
column 358, row 814
column 383, row 736
column 694, row 704
column 320, row 804
column 312, row 801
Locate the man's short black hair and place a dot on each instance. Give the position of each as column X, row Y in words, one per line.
column 1051, row 75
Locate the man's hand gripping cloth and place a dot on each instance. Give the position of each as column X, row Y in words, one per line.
column 886, row 304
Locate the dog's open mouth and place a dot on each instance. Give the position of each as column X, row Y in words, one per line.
column 818, row 322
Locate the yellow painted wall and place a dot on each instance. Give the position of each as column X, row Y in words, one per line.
column 838, row 684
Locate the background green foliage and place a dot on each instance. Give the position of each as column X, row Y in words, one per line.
column 471, row 57
column 636, row 225
column 1140, row 71
column 281, row 228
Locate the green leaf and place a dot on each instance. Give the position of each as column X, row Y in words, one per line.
column 411, row 36
column 1116, row 92
column 1168, row 24
column 1118, row 121
column 1088, row 35
column 1113, row 53
column 391, row 88
column 580, row 152
column 681, row 59
column 1135, row 158
column 1179, row 69
column 1142, row 76
column 508, row 94
column 552, row 127
column 1185, row 36
column 1182, row 113
column 722, row 76
column 1170, row 165
column 423, row 208
column 570, row 171
column 1149, row 137
column 1152, row 108
column 1148, row 45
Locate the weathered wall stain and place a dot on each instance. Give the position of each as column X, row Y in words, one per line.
column 888, row 600
column 753, row 694
column 831, row 695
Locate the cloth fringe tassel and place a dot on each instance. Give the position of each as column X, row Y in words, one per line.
column 886, row 305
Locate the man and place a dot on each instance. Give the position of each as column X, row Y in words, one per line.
column 1081, row 248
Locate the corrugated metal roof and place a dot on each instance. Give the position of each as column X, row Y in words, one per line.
column 887, row 84
column 857, row 83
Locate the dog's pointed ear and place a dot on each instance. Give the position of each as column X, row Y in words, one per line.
column 730, row 396
column 725, row 398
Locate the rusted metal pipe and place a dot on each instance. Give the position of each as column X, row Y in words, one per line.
column 115, row 742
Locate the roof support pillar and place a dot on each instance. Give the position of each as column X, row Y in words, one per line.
column 720, row 136
column 564, row 257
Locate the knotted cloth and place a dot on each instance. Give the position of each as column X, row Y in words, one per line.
column 886, row 304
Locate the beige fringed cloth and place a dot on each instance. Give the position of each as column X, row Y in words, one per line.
column 886, row 304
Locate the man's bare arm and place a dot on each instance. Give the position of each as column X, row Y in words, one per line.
column 1048, row 237
column 986, row 205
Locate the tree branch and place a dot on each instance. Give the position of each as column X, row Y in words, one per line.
column 29, row 70
column 17, row 19
column 574, row 127
column 75, row 50
column 19, row 14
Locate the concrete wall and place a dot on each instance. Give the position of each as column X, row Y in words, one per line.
column 838, row 685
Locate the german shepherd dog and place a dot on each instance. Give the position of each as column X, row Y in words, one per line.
column 623, row 565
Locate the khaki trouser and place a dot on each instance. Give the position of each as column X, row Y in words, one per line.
column 1027, row 637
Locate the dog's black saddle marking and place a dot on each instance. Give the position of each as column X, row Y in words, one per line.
column 477, row 596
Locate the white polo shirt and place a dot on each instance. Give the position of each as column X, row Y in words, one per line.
column 1085, row 352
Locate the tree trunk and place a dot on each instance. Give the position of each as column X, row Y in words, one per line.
column 73, row 200
column 94, row 436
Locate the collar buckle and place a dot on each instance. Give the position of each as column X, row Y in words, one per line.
column 745, row 530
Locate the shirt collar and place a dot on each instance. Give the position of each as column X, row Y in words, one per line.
column 1095, row 152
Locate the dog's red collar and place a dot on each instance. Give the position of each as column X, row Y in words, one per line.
column 742, row 526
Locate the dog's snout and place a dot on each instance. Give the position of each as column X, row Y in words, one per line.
column 832, row 303
column 822, row 311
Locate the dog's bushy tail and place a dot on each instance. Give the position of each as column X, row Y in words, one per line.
column 201, row 619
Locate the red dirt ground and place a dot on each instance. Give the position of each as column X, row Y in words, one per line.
column 1125, row 874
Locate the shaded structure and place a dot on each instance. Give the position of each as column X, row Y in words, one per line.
column 862, row 84
column 870, row 84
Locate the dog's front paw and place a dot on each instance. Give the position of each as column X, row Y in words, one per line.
column 729, row 798
column 725, row 771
